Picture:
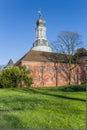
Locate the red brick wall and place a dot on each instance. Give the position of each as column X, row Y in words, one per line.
column 83, row 64
column 48, row 78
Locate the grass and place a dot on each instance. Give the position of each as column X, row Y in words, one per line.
column 42, row 108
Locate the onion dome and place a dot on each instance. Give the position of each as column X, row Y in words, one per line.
column 40, row 22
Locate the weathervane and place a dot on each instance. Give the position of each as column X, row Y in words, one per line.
column 40, row 13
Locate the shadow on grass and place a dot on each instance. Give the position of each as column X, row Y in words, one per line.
column 37, row 91
column 10, row 121
column 34, row 103
column 59, row 96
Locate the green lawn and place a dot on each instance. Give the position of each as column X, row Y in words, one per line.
column 42, row 108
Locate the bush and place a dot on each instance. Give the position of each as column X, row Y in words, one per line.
column 14, row 77
column 72, row 88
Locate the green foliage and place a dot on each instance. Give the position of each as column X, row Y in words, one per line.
column 25, row 76
column 14, row 77
column 81, row 52
column 72, row 88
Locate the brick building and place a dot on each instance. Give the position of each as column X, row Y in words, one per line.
column 45, row 72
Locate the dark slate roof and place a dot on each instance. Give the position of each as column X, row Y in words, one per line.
column 10, row 63
column 40, row 56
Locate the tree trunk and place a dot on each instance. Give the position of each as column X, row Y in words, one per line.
column 56, row 73
column 70, row 73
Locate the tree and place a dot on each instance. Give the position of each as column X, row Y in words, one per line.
column 25, row 76
column 13, row 77
column 81, row 52
column 67, row 44
column 82, row 60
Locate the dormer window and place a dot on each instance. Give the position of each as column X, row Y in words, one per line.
column 49, row 58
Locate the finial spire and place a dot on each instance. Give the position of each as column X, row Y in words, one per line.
column 40, row 13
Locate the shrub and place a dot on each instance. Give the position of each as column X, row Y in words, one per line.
column 13, row 77
column 70, row 88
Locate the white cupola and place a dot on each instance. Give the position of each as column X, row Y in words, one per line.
column 41, row 43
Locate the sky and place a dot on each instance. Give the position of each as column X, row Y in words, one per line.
column 18, row 23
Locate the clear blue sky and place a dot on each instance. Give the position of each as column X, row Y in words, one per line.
column 18, row 22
